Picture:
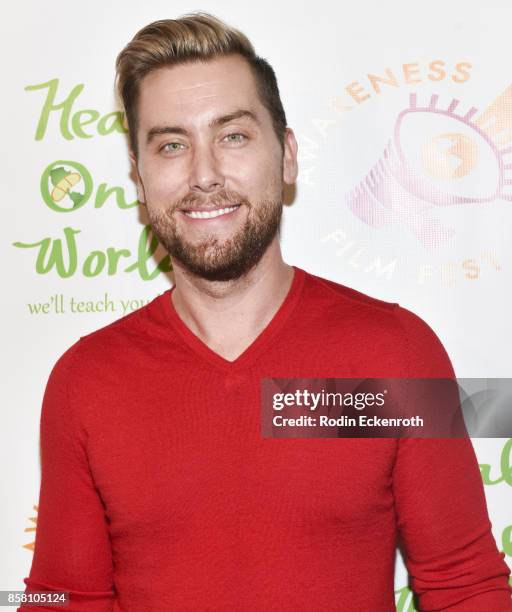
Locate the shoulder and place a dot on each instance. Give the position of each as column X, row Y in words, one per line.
column 344, row 294
column 115, row 343
column 387, row 327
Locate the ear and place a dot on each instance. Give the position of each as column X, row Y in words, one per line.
column 290, row 166
column 141, row 196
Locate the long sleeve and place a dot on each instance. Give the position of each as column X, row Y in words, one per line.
column 72, row 547
column 442, row 516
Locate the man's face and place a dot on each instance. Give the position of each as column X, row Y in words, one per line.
column 210, row 166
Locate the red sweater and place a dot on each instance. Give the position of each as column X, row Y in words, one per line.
column 158, row 492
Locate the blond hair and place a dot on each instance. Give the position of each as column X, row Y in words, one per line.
column 193, row 37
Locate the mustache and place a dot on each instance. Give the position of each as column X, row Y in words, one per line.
column 228, row 198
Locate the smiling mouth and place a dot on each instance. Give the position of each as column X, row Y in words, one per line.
column 210, row 214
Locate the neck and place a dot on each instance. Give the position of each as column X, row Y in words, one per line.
column 228, row 315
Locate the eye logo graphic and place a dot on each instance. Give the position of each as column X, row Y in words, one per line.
column 438, row 156
column 66, row 186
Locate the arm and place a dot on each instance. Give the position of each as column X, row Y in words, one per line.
column 72, row 547
column 442, row 516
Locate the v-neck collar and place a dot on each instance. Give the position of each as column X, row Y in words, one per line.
column 255, row 348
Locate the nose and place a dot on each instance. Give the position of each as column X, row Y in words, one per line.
column 205, row 172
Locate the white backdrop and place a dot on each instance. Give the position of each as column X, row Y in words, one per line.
column 429, row 82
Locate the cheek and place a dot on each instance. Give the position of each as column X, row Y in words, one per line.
column 273, row 182
column 162, row 185
column 254, row 175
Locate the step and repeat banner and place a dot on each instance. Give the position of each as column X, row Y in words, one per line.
column 403, row 115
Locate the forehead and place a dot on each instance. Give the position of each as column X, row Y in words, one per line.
column 196, row 91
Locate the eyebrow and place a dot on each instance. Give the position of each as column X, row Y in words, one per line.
column 216, row 122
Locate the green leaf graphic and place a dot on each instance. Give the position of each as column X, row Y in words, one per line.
column 76, row 197
column 57, row 174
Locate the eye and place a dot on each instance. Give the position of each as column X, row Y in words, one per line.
column 238, row 137
column 173, row 146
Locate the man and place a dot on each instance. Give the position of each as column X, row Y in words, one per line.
column 158, row 491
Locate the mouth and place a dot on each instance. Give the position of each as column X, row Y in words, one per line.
column 210, row 214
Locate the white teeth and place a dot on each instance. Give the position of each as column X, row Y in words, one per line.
column 203, row 214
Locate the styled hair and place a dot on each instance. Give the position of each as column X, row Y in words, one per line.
column 193, row 37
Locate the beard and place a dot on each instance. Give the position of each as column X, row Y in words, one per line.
column 220, row 260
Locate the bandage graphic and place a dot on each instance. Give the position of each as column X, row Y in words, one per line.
column 438, row 156
column 63, row 181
